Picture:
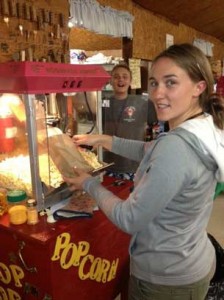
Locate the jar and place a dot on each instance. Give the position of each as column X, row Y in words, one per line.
column 17, row 206
column 15, row 197
column 32, row 213
column 18, row 214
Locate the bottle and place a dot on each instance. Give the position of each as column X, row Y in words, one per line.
column 32, row 213
column 17, row 206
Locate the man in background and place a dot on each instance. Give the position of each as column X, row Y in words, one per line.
column 126, row 116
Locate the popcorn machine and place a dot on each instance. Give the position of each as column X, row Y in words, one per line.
column 27, row 91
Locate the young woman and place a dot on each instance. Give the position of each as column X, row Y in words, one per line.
column 171, row 257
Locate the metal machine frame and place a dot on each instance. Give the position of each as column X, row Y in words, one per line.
column 30, row 78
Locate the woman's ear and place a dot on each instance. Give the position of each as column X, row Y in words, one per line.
column 200, row 87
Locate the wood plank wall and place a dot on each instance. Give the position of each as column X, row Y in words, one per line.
column 149, row 33
column 45, row 41
column 90, row 41
column 34, row 30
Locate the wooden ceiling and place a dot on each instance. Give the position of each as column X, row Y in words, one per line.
column 206, row 16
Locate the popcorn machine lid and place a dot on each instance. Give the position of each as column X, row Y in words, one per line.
column 40, row 77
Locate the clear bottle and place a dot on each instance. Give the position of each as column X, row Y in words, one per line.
column 32, row 213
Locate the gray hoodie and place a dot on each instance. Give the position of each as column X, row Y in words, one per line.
column 168, row 211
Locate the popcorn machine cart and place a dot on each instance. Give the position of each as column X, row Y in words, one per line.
column 83, row 259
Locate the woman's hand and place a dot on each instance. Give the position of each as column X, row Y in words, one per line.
column 93, row 140
column 76, row 183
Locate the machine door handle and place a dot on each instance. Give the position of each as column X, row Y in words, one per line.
column 29, row 269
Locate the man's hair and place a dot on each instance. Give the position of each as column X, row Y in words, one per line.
column 121, row 65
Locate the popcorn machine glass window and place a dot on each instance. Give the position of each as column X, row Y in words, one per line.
column 14, row 147
column 37, row 102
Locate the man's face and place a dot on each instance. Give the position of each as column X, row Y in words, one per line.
column 120, row 80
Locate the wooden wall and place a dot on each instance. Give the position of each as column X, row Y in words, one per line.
column 90, row 41
column 41, row 40
column 86, row 40
column 34, row 30
column 149, row 33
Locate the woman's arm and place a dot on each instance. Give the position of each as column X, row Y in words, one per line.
column 131, row 149
column 94, row 140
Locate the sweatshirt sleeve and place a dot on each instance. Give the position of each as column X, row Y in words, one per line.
column 167, row 173
column 131, row 149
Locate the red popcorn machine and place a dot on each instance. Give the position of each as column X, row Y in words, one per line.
column 41, row 106
column 30, row 96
